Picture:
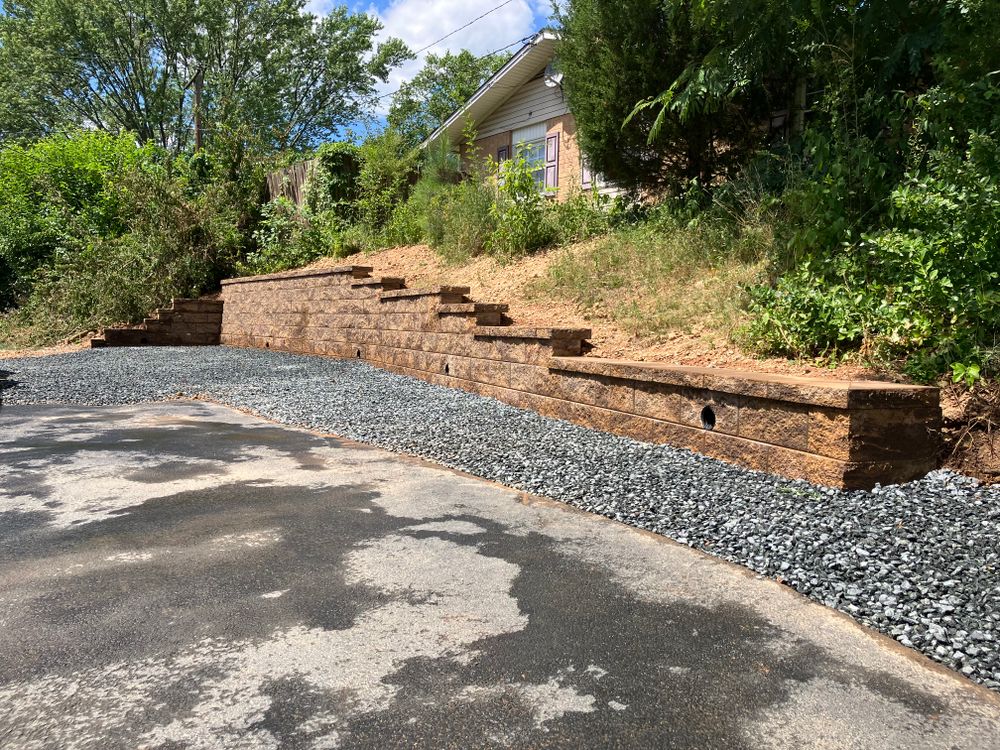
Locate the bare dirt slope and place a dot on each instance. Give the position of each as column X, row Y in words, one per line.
column 517, row 284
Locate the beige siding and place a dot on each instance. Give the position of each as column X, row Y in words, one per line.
column 534, row 102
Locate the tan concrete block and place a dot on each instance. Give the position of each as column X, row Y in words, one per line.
column 894, row 434
column 487, row 371
column 776, row 423
column 726, row 382
column 686, row 406
column 748, row 453
column 800, row 465
column 830, row 433
column 813, row 393
column 665, row 402
column 888, row 395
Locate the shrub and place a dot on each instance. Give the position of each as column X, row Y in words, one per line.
column 288, row 237
column 333, row 184
column 468, row 220
column 924, row 291
column 581, row 216
column 58, row 194
column 518, row 210
column 388, row 170
column 169, row 246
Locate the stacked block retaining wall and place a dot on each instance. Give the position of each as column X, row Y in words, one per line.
column 838, row 433
column 187, row 322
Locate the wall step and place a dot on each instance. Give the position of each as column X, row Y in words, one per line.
column 448, row 294
column 465, row 308
column 388, row 283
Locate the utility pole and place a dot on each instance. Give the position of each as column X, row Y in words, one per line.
column 799, row 107
column 199, row 82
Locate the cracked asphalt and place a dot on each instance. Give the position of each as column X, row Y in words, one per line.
column 181, row 575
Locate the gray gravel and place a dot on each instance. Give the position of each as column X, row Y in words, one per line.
column 920, row 561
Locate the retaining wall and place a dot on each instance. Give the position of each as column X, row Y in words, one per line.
column 187, row 322
column 837, row 433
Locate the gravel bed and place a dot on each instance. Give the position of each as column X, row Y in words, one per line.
column 919, row 562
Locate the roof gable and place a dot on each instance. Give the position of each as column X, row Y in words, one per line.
column 519, row 70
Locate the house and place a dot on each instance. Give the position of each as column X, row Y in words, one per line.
column 522, row 109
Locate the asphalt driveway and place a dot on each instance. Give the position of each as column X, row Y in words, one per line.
column 180, row 575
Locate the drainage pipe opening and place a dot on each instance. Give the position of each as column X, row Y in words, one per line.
column 708, row 418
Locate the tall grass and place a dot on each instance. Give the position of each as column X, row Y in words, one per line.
column 666, row 274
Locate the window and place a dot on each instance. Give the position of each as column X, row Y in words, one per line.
column 590, row 179
column 541, row 153
column 533, row 153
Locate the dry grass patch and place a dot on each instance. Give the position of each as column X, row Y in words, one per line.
column 665, row 278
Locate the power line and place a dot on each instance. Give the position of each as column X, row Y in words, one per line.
column 460, row 28
column 522, row 40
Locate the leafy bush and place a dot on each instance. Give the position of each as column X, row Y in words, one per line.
column 924, row 290
column 168, row 246
column 333, row 185
column 519, row 211
column 467, row 220
column 582, row 216
column 388, row 170
column 288, row 237
column 58, row 194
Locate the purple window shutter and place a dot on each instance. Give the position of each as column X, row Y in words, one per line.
column 552, row 161
column 503, row 153
column 586, row 176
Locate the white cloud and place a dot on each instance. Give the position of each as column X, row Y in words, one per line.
column 422, row 22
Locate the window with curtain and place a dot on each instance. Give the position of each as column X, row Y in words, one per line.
column 529, row 144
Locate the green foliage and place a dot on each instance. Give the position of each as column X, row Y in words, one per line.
column 615, row 55
column 880, row 191
column 56, row 195
column 969, row 375
column 924, row 291
column 333, row 183
column 388, row 170
column 583, row 215
column 467, row 220
column 163, row 244
column 519, row 211
column 498, row 210
column 438, row 90
column 287, row 238
column 267, row 70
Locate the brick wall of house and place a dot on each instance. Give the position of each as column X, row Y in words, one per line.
column 838, row 433
column 569, row 155
column 486, row 147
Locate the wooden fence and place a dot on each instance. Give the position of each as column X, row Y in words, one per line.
column 290, row 182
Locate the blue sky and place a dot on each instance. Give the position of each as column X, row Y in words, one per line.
column 421, row 22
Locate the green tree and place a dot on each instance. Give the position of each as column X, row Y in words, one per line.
column 615, row 54
column 170, row 70
column 438, row 90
